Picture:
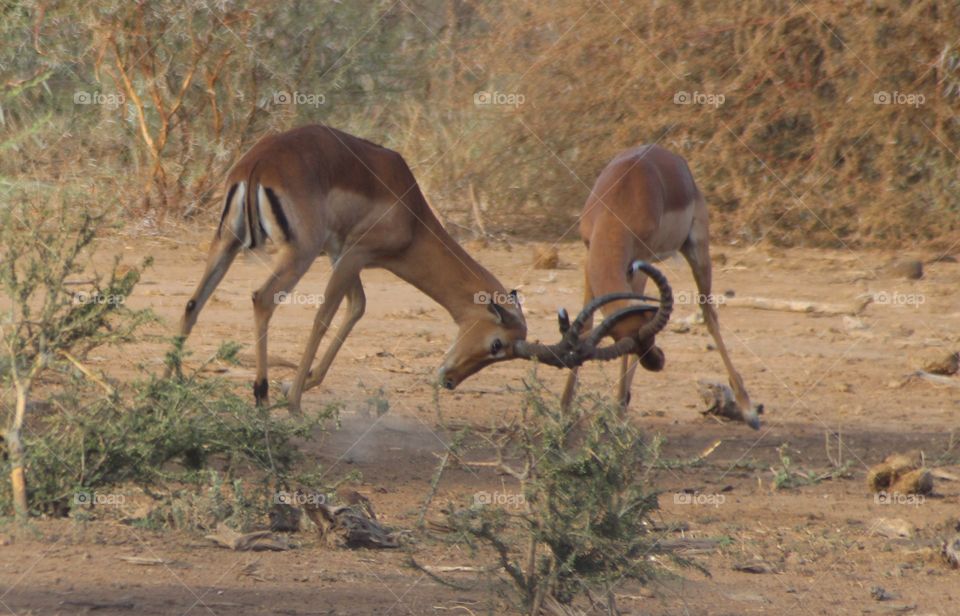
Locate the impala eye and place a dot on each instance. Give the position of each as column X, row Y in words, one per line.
column 496, row 347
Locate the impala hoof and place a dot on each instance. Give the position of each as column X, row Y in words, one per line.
column 285, row 387
column 261, row 392
column 752, row 418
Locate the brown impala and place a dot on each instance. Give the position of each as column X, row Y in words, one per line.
column 315, row 190
column 645, row 205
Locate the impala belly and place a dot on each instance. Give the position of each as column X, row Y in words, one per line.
column 672, row 232
column 379, row 225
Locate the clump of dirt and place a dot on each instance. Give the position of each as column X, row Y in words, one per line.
column 545, row 257
column 351, row 526
column 901, row 474
column 944, row 365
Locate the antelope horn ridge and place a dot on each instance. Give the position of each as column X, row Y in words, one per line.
column 572, row 350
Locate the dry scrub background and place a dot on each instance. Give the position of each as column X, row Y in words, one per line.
column 798, row 152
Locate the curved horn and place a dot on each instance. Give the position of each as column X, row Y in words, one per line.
column 594, row 304
column 550, row 354
column 571, row 351
column 651, row 327
column 598, row 333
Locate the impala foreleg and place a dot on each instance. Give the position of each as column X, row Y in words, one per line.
column 345, row 273
column 697, row 253
column 356, row 304
column 628, row 368
column 570, row 390
column 651, row 358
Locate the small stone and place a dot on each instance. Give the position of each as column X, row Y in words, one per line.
column 853, row 323
column 911, row 269
column 892, row 528
column 880, row 593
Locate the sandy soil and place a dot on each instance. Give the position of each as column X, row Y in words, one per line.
column 821, row 378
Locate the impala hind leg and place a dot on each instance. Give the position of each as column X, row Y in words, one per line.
column 221, row 255
column 289, row 269
column 651, row 357
column 696, row 250
column 356, row 305
column 345, row 273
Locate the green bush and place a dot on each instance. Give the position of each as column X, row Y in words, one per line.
column 157, row 432
column 580, row 517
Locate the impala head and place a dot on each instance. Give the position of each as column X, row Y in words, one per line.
column 486, row 337
column 496, row 331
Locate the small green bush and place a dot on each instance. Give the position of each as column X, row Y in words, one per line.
column 157, row 432
column 580, row 516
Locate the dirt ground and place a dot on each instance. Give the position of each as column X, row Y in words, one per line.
column 827, row 383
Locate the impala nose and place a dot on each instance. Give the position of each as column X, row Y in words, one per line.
column 448, row 382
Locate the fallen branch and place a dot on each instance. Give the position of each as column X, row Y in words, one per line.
column 455, row 569
column 949, row 381
column 688, row 545
column 785, row 305
column 939, row 473
column 253, row 542
column 100, row 605
column 139, row 560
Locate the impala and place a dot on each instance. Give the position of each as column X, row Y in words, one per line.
column 645, row 205
column 315, row 190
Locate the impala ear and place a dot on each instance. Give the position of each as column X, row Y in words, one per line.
column 499, row 312
column 504, row 315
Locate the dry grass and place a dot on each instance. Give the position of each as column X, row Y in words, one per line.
column 798, row 152
column 783, row 126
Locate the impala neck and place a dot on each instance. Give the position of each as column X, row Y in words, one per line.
column 437, row 265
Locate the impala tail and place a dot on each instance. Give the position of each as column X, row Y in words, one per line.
column 253, row 213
